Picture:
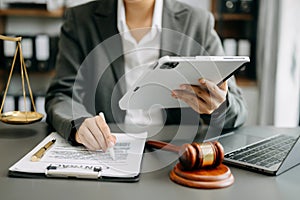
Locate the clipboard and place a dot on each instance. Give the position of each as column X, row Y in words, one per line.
column 65, row 161
column 154, row 87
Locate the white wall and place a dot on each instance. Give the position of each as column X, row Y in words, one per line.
column 287, row 95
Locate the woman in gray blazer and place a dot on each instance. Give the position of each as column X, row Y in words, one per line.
column 85, row 85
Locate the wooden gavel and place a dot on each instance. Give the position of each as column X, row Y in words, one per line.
column 195, row 155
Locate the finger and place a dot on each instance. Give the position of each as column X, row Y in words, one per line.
column 77, row 138
column 107, row 138
column 96, row 132
column 211, row 86
column 200, row 105
column 198, row 90
column 224, row 86
column 87, row 138
column 214, row 90
column 191, row 99
column 113, row 139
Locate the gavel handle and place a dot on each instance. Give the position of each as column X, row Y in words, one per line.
column 163, row 146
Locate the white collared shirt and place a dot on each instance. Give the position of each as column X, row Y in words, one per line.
column 138, row 57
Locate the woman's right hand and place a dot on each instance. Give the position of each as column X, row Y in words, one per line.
column 94, row 133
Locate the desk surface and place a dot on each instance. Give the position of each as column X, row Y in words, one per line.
column 16, row 141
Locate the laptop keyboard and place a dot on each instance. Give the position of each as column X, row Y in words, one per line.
column 265, row 153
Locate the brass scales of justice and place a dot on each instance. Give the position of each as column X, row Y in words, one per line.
column 19, row 117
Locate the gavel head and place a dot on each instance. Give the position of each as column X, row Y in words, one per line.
column 196, row 156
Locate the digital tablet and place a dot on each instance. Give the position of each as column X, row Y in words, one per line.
column 154, row 87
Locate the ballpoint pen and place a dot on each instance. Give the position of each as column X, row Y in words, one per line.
column 110, row 149
column 39, row 154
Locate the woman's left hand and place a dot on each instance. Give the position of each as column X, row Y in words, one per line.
column 204, row 98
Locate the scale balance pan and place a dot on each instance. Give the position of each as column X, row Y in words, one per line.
column 21, row 117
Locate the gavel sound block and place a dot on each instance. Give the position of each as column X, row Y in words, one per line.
column 200, row 165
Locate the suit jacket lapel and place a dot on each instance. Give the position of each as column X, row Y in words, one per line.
column 175, row 24
column 106, row 21
column 106, row 25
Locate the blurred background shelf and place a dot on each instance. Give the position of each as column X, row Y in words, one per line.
column 236, row 24
column 32, row 12
column 234, row 17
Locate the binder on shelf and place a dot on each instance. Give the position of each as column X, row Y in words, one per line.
column 34, row 4
column 2, row 58
column 237, row 6
column 246, row 6
column 39, row 52
column 28, row 52
column 8, row 53
column 46, row 51
column 230, row 46
column 229, row 6
column 244, row 47
column 42, row 46
column 28, row 49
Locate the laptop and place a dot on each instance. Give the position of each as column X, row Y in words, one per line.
column 264, row 149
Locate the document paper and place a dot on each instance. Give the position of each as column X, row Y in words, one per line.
column 128, row 152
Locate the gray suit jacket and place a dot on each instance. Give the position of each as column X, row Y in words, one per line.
column 90, row 65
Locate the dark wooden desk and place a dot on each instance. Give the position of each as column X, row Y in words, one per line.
column 16, row 141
